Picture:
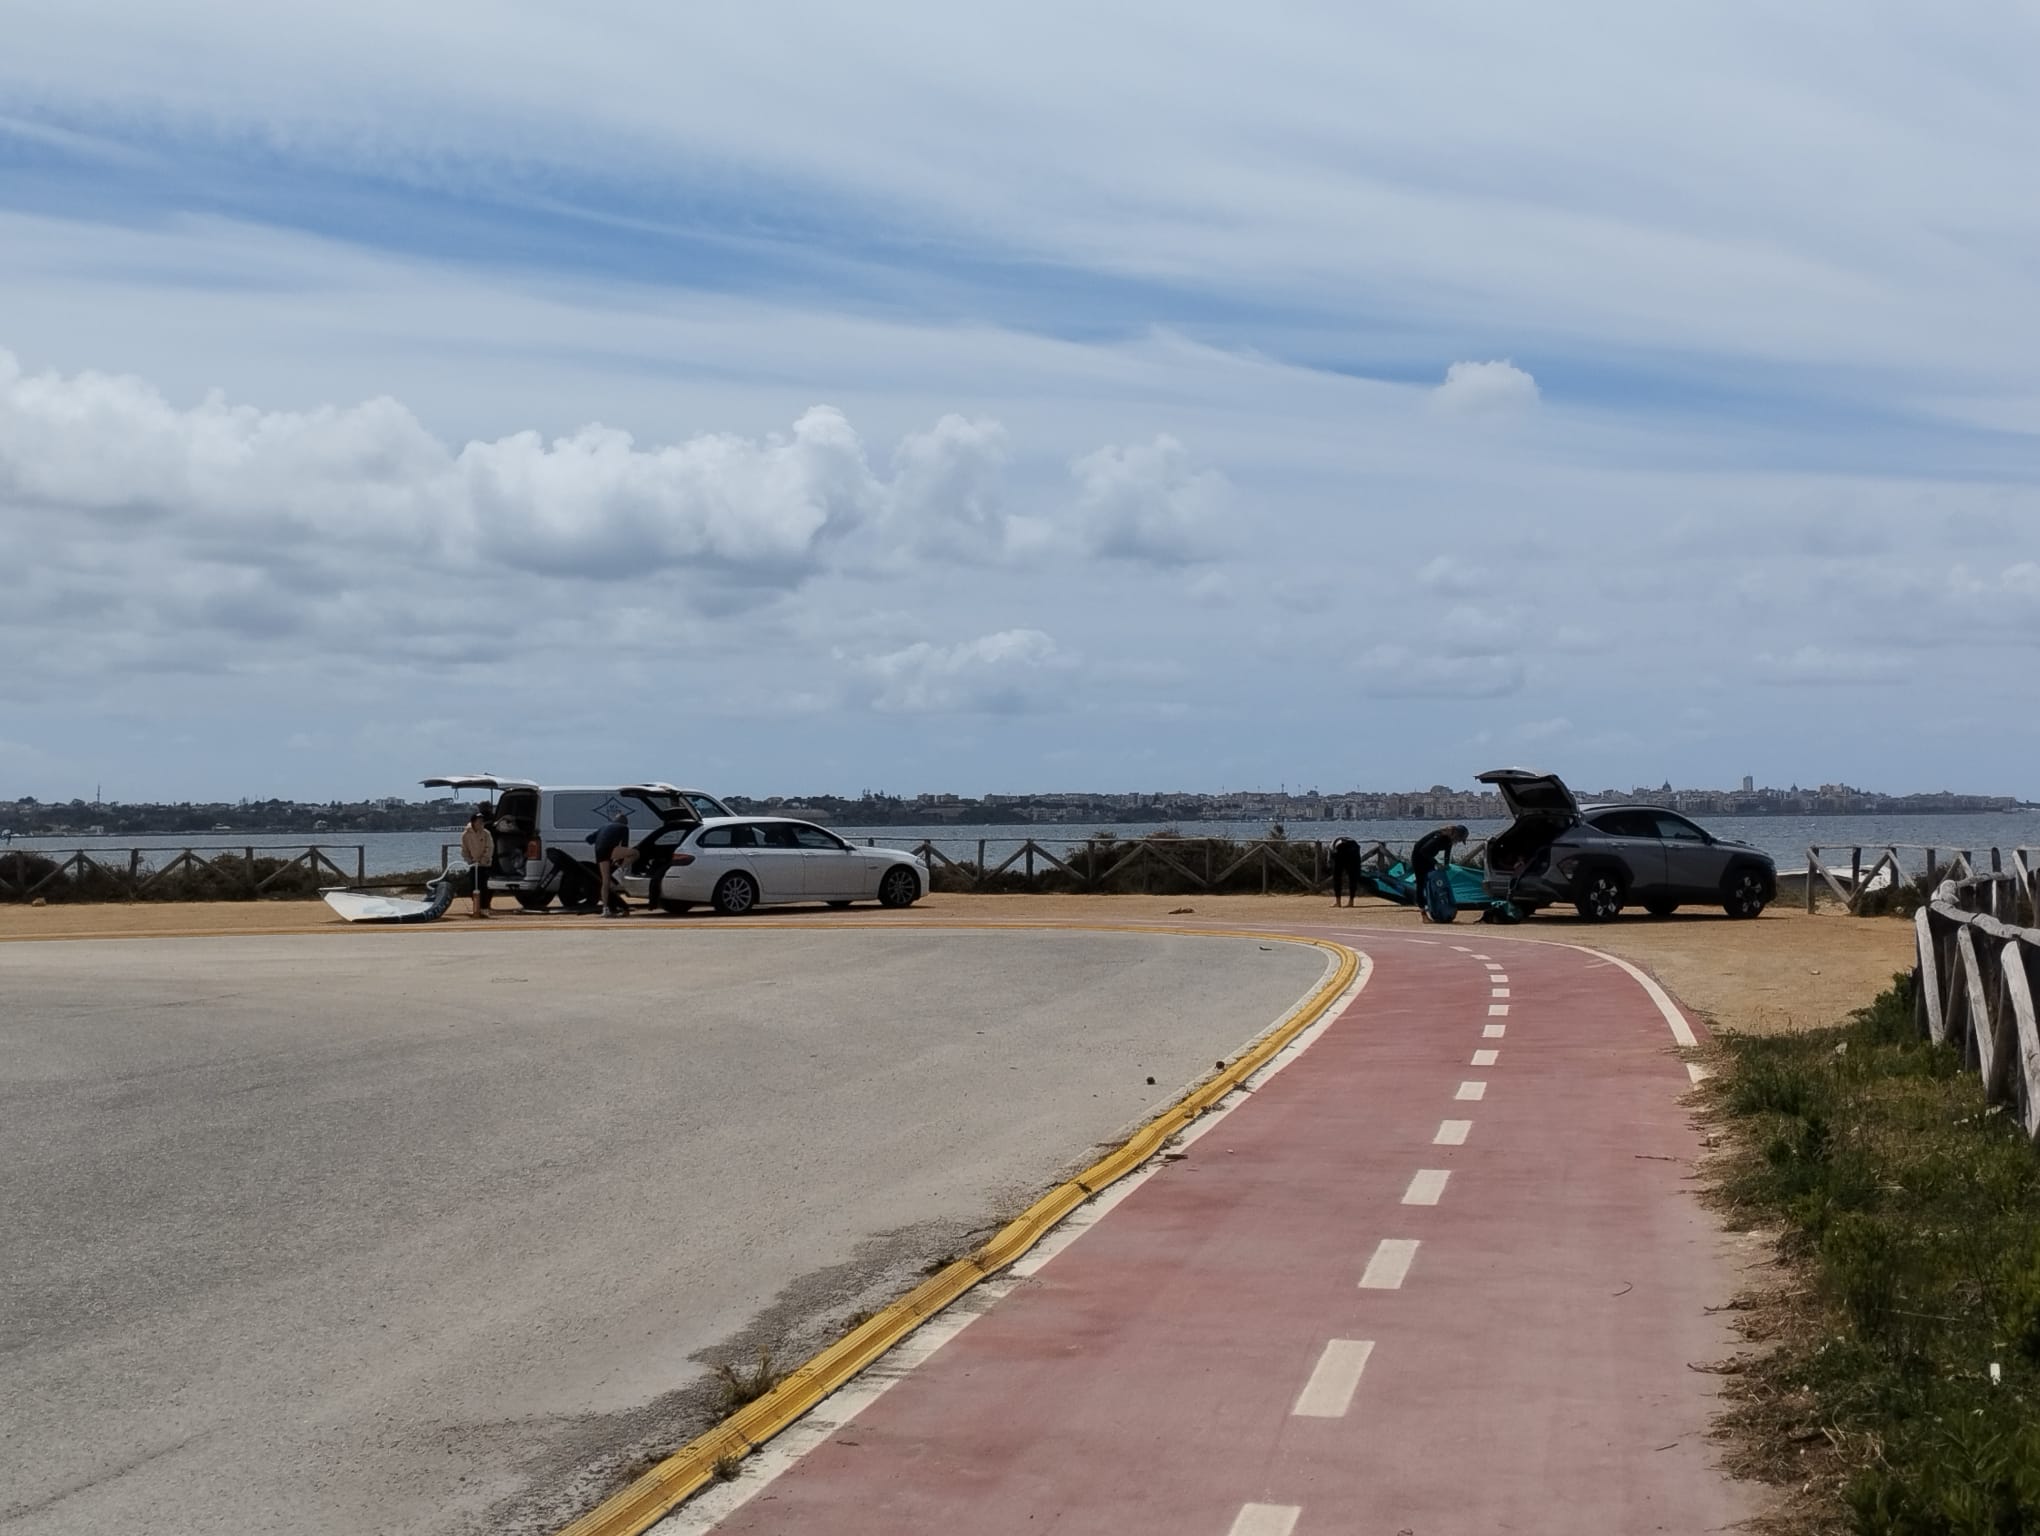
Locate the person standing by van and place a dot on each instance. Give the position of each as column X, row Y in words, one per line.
column 609, row 841
column 478, row 847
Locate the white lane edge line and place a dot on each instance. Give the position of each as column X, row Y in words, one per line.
column 1333, row 1380
column 1427, row 1186
column 1471, row 1090
column 1265, row 1520
column 1681, row 1030
column 1493, row 1031
column 700, row 1515
column 1486, row 1058
column 1452, row 1133
column 1390, row 1264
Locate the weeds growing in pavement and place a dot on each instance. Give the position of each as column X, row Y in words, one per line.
column 741, row 1387
column 1899, row 1392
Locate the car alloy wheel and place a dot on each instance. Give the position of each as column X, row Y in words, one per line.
column 901, row 887
column 735, row 895
column 1745, row 894
column 1601, row 901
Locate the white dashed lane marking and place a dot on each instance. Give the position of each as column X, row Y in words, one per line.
column 1498, row 992
column 1498, row 980
column 1494, row 965
column 1266, row 1520
column 1391, row 1262
column 1486, row 1058
column 1481, row 957
column 1474, row 1090
column 1493, row 1031
column 1329, row 1392
column 1427, row 1186
column 1452, row 1133
column 1498, row 1010
column 1462, row 949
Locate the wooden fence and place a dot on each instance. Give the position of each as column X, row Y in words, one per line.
column 1166, row 865
column 1888, row 868
column 135, row 874
column 1978, row 972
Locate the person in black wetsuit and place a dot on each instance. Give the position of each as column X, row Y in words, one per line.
column 1433, row 851
column 609, row 842
column 1345, row 869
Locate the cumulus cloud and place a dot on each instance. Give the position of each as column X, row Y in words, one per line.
column 1002, row 673
column 1144, row 501
column 949, row 489
column 1485, row 389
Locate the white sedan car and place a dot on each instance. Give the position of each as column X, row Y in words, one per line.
column 735, row 863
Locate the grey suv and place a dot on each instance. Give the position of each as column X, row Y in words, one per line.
column 1602, row 858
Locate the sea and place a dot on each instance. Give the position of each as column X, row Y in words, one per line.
column 1785, row 838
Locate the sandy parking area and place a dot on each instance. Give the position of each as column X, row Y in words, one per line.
column 1785, row 971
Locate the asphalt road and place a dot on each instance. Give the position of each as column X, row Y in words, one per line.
column 433, row 1231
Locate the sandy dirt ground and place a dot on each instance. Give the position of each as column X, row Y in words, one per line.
column 1785, row 971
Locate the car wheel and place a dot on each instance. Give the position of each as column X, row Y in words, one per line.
column 1660, row 907
column 677, row 907
column 1744, row 896
column 735, row 894
column 534, row 901
column 1601, row 896
column 900, row 887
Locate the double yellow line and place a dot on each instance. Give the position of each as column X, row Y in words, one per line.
column 655, row 1494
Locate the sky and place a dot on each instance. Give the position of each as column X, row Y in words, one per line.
column 805, row 398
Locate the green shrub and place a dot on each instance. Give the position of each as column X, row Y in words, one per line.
column 1914, row 1210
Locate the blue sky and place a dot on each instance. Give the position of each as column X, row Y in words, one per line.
column 934, row 398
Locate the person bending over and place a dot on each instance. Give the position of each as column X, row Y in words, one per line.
column 610, row 842
column 1345, row 869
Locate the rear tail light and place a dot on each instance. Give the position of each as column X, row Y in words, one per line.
column 683, row 858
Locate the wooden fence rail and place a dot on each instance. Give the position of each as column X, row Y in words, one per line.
column 1978, row 973
column 1875, row 868
column 134, row 874
column 1166, row 865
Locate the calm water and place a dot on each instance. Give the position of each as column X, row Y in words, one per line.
column 1785, row 838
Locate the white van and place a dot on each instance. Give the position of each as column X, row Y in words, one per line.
column 544, row 832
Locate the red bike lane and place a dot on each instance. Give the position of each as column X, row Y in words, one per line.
column 1445, row 1273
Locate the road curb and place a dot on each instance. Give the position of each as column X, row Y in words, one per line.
column 656, row 1493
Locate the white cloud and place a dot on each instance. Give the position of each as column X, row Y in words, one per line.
column 1485, row 389
column 1002, row 673
column 1144, row 501
column 1397, row 671
column 949, row 491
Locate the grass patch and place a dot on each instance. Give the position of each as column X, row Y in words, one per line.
column 1897, row 1390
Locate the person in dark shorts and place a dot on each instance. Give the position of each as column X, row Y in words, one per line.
column 1345, row 869
column 1432, row 852
column 609, row 841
